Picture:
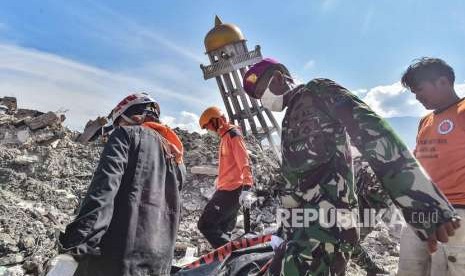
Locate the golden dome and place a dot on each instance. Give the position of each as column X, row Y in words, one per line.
column 221, row 35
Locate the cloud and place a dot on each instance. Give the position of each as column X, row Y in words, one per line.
column 460, row 89
column 367, row 20
column 185, row 120
column 328, row 5
column 395, row 101
column 392, row 101
column 49, row 82
column 309, row 65
column 127, row 29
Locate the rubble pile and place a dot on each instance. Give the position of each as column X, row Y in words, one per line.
column 44, row 173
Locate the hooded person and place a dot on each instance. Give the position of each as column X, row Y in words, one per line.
column 317, row 164
column 128, row 220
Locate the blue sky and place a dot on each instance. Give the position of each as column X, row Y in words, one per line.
column 84, row 56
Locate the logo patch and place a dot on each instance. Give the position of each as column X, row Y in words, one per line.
column 252, row 78
column 445, row 126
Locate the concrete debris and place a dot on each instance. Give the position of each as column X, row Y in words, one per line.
column 45, row 172
column 26, row 159
column 189, row 257
column 13, row 271
column 9, row 104
column 62, row 265
column 3, row 109
column 44, row 120
column 24, row 127
column 92, row 129
column 206, row 170
column 12, row 135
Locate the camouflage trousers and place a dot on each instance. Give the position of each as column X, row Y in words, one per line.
column 322, row 244
column 292, row 259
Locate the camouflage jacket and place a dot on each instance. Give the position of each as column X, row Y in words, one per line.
column 317, row 163
column 368, row 188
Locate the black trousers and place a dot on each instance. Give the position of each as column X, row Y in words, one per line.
column 219, row 217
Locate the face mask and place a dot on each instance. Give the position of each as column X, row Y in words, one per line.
column 272, row 102
column 276, row 102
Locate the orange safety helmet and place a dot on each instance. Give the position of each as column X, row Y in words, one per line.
column 212, row 112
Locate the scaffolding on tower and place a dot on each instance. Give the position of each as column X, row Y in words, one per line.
column 230, row 58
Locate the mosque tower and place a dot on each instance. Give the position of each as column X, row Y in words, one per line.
column 230, row 58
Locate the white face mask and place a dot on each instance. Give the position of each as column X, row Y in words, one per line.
column 276, row 102
column 272, row 102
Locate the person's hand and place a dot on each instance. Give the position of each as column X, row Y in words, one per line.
column 247, row 198
column 442, row 234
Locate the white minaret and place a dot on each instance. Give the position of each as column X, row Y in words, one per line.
column 229, row 60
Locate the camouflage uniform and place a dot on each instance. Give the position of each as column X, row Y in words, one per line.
column 370, row 192
column 370, row 195
column 317, row 165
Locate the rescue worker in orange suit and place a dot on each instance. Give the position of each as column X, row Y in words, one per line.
column 128, row 221
column 234, row 180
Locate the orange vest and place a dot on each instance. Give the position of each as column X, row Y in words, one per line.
column 441, row 150
column 234, row 168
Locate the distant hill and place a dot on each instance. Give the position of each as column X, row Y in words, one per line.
column 406, row 128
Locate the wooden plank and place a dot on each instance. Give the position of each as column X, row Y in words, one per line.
column 244, row 101
column 223, row 92
column 235, row 102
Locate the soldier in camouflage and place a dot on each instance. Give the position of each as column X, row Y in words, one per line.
column 317, row 164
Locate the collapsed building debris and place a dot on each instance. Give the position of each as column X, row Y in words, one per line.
column 92, row 129
column 8, row 104
column 45, row 172
column 44, row 120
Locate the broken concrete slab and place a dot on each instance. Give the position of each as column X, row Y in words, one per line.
column 26, row 159
column 12, row 135
column 3, row 109
column 62, row 265
column 44, row 120
column 23, row 113
column 10, row 103
column 205, row 170
column 91, row 129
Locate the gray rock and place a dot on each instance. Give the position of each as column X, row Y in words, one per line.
column 15, row 271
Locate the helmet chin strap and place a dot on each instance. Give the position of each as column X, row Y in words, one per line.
column 131, row 121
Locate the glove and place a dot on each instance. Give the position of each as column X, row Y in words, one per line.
column 247, row 198
column 276, row 241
